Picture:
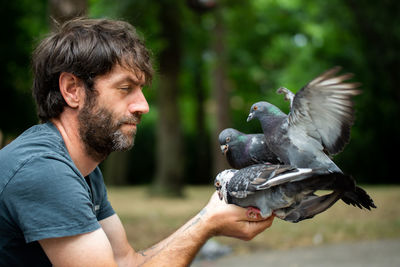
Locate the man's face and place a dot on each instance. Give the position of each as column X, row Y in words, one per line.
column 108, row 119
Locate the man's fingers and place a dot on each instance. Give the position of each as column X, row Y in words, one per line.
column 270, row 220
column 264, row 224
column 255, row 227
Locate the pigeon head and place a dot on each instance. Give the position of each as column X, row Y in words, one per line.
column 262, row 109
column 227, row 137
column 221, row 181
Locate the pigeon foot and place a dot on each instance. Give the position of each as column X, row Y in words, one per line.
column 289, row 96
column 253, row 213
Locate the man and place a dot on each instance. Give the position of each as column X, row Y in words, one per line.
column 88, row 81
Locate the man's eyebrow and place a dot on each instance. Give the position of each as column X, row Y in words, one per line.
column 132, row 81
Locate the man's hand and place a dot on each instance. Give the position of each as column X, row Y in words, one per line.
column 231, row 220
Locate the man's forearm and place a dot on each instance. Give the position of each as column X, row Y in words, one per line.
column 180, row 248
column 217, row 218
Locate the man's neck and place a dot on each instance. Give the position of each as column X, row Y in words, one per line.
column 68, row 126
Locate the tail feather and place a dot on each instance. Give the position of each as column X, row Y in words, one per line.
column 311, row 206
column 351, row 194
column 358, row 198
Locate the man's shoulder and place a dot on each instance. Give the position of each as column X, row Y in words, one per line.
column 39, row 149
column 41, row 138
column 43, row 135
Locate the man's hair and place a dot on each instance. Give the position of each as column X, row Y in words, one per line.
column 86, row 48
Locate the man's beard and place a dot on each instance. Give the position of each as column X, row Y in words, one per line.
column 101, row 133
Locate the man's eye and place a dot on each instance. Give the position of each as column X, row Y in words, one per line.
column 125, row 88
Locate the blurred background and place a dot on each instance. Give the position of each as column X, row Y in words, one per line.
column 214, row 59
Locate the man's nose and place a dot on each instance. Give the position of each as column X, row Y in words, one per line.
column 138, row 103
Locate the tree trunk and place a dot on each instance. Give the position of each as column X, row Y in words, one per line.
column 377, row 23
column 116, row 168
column 170, row 160
column 201, row 142
column 220, row 92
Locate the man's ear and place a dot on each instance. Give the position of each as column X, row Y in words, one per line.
column 72, row 89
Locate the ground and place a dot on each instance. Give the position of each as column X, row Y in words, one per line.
column 382, row 253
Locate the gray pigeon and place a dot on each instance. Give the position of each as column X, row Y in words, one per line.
column 286, row 191
column 317, row 126
column 242, row 150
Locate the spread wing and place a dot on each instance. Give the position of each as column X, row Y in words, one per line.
column 262, row 176
column 323, row 109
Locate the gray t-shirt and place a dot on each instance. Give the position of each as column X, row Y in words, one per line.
column 43, row 195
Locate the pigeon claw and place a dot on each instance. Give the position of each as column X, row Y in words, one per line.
column 288, row 94
column 253, row 213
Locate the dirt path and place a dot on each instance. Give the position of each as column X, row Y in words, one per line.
column 382, row 253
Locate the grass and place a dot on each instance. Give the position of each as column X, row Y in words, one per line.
column 148, row 220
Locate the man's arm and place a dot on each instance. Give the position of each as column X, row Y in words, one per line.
column 109, row 244
column 179, row 249
column 90, row 249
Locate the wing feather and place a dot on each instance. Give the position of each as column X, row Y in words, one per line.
column 324, row 109
column 256, row 177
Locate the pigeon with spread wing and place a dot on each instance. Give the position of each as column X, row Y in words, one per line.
column 318, row 125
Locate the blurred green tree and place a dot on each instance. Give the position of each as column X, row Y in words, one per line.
column 244, row 50
column 64, row 10
column 22, row 24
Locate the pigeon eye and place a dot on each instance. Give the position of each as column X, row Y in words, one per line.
column 217, row 184
column 255, row 108
column 228, row 139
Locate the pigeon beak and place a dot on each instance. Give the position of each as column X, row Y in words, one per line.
column 250, row 117
column 224, row 149
column 220, row 195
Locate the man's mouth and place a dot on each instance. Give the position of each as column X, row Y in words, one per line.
column 131, row 125
column 132, row 121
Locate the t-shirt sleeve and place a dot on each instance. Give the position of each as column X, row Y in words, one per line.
column 102, row 204
column 48, row 199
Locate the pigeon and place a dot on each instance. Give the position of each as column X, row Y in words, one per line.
column 242, row 150
column 286, row 191
column 317, row 126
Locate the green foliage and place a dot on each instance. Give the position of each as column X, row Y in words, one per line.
column 21, row 23
column 268, row 44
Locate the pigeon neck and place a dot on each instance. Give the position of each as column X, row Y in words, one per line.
column 272, row 120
